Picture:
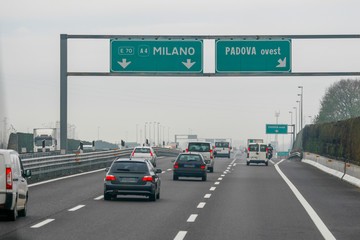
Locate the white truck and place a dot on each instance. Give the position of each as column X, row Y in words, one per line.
column 257, row 152
column 45, row 139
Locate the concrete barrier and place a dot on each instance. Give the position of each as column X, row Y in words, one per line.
column 343, row 170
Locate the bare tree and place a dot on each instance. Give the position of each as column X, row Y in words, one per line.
column 341, row 101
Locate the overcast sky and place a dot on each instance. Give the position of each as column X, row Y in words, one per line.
column 226, row 107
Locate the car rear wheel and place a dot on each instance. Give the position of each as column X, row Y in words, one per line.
column 247, row 163
column 267, row 163
column 158, row 195
column 152, row 197
column 107, row 197
column 175, row 177
column 12, row 214
column 204, row 178
column 22, row 213
column 211, row 169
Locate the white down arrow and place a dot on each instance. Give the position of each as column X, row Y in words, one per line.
column 124, row 64
column 188, row 63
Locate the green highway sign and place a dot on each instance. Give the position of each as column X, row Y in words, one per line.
column 276, row 129
column 282, row 153
column 172, row 56
column 253, row 55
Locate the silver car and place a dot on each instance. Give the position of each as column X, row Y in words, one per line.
column 146, row 153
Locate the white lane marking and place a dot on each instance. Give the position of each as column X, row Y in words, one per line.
column 181, row 235
column 76, row 208
column 169, row 169
column 201, row 205
column 61, row 178
column 192, row 218
column 222, row 175
column 163, row 172
column 234, row 164
column 42, row 223
column 219, row 179
column 225, row 172
column 207, row 195
column 99, row 197
column 212, row 188
column 310, row 211
column 217, row 183
column 272, row 162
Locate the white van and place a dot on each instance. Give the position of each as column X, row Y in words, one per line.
column 257, row 153
column 205, row 148
column 13, row 185
column 222, row 149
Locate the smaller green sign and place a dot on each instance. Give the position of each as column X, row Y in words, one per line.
column 276, row 128
column 282, row 153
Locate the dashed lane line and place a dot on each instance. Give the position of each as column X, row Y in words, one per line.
column 181, row 235
column 39, row 225
column 201, row 205
column 76, row 208
column 219, row 179
column 192, row 218
column 212, row 188
column 217, row 183
column 207, row 195
column 99, row 197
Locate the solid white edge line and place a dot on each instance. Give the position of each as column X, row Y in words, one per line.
column 181, row 235
column 76, row 208
column 40, row 224
column 212, row 188
column 272, row 162
column 192, row 218
column 325, row 232
column 61, row 178
column 99, row 197
column 201, row 205
column 207, row 195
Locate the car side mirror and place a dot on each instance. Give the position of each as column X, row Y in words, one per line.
column 173, row 160
column 27, row 173
column 158, row 171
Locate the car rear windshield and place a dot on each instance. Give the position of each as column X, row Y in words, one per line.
column 254, row 148
column 189, row 158
column 263, row 148
column 199, row 147
column 222, row 144
column 142, row 150
column 138, row 167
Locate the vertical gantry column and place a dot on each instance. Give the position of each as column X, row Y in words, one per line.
column 63, row 93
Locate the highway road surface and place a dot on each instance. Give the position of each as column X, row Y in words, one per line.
column 285, row 200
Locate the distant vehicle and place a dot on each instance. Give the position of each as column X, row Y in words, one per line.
column 145, row 152
column 87, row 148
column 222, row 149
column 45, row 138
column 130, row 177
column 205, row 148
column 255, row 141
column 190, row 165
column 257, row 153
column 13, row 185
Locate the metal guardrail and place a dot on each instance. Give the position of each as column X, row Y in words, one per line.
column 48, row 167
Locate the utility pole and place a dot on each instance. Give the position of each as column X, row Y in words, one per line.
column 277, row 114
column 302, row 103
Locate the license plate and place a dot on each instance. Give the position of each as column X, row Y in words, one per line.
column 189, row 165
column 128, row 179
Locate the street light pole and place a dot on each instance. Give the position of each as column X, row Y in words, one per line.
column 295, row 120
column 293, row 128
column 302, row 103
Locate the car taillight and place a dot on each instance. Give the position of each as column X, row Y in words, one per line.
column 248, row 155
column 151, row 153
column 148, row 179
column 211, row 150
column 266, row 149
column 187, row 150
column 249, row 149
column 9, row 181
column 176, row 165
column 211, row 157
column 203, row 165
column 110, row 178
column 133, row 153
column 229, row 148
